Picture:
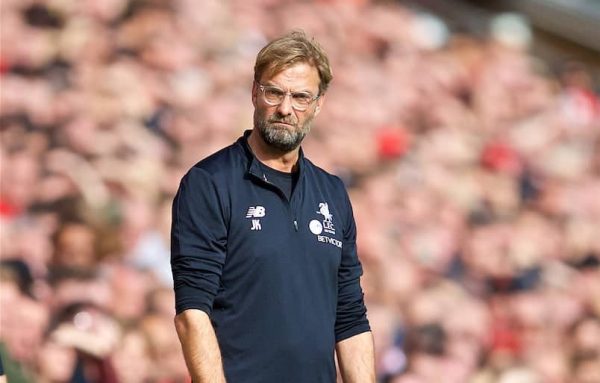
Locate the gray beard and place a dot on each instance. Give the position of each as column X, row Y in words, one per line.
column 283, row 140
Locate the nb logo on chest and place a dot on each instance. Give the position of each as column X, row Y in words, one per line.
column 256, row 212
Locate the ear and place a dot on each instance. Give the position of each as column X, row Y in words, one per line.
column 254, row 93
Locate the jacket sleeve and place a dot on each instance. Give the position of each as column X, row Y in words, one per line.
column 351, row 317
column 198, row 242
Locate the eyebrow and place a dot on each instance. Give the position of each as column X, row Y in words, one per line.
column 268, row 83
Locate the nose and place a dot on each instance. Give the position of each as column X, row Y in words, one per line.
column 285, row 108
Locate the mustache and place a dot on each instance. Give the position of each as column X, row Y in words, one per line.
column 282, row 120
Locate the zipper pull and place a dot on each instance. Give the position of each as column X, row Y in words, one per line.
column 296, row 225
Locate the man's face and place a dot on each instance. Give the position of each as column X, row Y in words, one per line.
column 281, row 126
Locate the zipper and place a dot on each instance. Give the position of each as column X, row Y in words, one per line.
column 287, row 202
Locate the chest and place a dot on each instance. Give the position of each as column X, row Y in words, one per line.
column 266, row 230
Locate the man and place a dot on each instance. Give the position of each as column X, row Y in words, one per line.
column 264, row 261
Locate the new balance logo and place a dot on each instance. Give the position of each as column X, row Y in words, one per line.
column 256, row 212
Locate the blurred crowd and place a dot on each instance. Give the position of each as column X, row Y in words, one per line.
column 473, row 168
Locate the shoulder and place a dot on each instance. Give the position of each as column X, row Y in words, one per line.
column 225, row 160
column 219, row 166
column 325, row 178
column 210, row 181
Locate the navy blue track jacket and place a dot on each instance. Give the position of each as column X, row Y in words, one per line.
column 279, row 279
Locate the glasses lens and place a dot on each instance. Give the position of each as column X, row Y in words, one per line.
column 274, row 96
column 301, row 100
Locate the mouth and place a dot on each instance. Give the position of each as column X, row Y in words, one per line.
column 284, row 124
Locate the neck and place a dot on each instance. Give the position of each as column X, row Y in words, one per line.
column 273, row 158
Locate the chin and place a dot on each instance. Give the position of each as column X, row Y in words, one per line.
column 285, row 145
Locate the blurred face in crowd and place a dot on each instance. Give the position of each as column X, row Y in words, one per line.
column 586, row 336
column 20, row 173
column 130, row 288
column 75, row 246
column 283, row 126
column 23, row 328
column 55, row 362
column 132, row 358
column 587, row 371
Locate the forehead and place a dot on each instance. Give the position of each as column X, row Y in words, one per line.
column 300, row 76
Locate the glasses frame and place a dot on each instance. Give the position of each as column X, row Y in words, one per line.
column 286, row 94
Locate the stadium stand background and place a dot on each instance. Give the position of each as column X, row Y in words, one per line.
column 469, row 139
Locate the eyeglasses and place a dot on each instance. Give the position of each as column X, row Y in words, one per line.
column 274, row 96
